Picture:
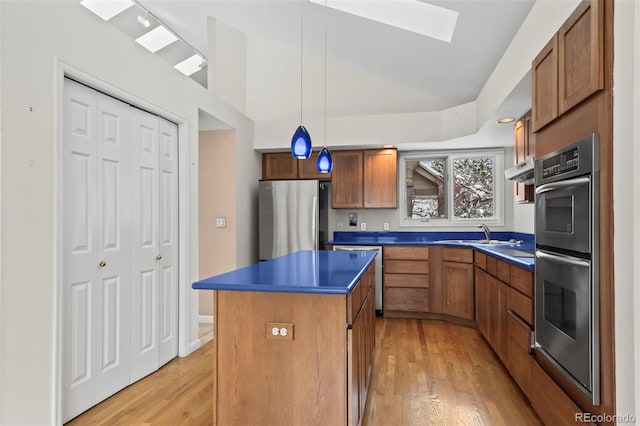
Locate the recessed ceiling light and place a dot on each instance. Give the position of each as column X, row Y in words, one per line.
column 506, row 120
column 107, row 9
column 190, row 65
column 411, row 15
column 157, row 38
column 144, row 20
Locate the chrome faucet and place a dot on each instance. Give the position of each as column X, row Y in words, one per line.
column 487, row 232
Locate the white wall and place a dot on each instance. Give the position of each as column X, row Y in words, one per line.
column 626, row 177
column 33, row 36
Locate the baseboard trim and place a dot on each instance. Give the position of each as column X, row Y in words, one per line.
column 207, row 319
column 194, row 346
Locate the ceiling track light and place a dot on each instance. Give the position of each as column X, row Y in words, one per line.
column 144, row 20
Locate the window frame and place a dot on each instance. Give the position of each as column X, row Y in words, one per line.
column 498, row 188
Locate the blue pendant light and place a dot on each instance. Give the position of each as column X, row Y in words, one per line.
column 301, row 141
column 325, row 162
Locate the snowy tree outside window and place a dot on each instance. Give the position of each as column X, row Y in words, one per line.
column 452, row 187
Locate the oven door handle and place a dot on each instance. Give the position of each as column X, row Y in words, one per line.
column 563, row 184
column 565, row 260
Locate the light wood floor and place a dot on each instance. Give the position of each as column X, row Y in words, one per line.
column 425, row 373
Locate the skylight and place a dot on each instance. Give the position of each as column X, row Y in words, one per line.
column 410, row 15
column 190, row 65
column 157, row 38
column 107, row 9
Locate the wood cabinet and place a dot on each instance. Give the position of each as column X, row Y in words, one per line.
column 570, row 68
column 405, row 280
column 279, row 165
column 347, row 179
column 325, row 361
column 380, row 178
column 364, row 179
column 457, row 277
column 523, row 148
column 282, row 165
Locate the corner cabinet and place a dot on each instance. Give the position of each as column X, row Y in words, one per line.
column 364, row 179
column 570, row 68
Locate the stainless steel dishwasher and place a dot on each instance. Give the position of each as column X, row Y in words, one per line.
column 378, row 283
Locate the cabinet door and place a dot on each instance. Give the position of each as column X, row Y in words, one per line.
column 523, row 193
column 380, row 178
column 545, row 85
column 481, row 300
column 279, row 165
column 458, row 289
column 347, row 180
column 308, row 169
column 580, row 55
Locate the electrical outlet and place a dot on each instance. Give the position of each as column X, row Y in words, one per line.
column 221, row 222
column 363, row 226
column 385, row 226
column 279, row 331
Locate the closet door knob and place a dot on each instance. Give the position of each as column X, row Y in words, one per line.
column 102, row 264
column 158, row 257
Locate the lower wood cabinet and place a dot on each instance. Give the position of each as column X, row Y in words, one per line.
column 457, row 282
column 406, row 280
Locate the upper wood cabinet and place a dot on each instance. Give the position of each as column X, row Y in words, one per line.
column 580, row 54
column 279, row 165
column 380, row 178
column 347, row 179
column 570, row 68
column 282, row 165
column 366, row 179
column 523, row 149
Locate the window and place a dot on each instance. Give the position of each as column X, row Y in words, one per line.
column 448, row 188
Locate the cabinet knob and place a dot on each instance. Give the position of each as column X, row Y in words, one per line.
column 102, row 264
column 158, row 257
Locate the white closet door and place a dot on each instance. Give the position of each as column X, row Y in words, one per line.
column 96, row 208
column 146, row 248
column 168, row 240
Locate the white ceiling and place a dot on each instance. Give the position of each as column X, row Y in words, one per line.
column 430, row 75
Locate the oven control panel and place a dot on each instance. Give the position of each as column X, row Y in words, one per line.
column 561, row 163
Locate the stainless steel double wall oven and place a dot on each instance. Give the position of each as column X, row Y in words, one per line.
column 567, row 284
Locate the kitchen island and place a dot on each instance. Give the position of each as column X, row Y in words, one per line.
column 294, row 339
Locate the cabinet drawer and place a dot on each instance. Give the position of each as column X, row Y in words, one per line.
column 492, row 265
column 406, row 280
column 522, row 280
column 406, row 266
column 405, row 253
column 463, row 255
column 521, row 305
column 406, row 299
column 480, row 259
column 504, row 271
column 519, row 331
column 518, row 347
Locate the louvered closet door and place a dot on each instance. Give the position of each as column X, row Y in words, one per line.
column 96, row 266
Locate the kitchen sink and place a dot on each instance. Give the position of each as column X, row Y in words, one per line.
column 480, row 242
column 515, row 252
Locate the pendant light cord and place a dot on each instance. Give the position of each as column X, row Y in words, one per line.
column 325, row 73
column 301, row 50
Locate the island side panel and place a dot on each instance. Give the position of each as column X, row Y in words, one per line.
column 269, row 381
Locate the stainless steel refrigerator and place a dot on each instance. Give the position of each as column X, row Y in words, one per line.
column 293, row 216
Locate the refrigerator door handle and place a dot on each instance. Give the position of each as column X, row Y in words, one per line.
column 314, row 221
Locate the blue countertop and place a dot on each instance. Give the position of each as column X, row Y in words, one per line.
column 308, row 271
column 383, row 238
